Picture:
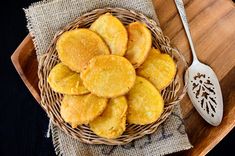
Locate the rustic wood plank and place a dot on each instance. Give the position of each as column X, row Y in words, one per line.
column 211, row 24
column 25, row 62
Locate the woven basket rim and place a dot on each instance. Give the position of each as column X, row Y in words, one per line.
column 47, row 57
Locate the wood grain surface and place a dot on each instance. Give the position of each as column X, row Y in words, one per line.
column 212, row 27
column 25, row 61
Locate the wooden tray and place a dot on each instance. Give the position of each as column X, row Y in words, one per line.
column 212, row 26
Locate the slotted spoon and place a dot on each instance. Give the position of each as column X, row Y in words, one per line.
column 203, row 85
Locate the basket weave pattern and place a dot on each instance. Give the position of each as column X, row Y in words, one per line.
column 50, row 100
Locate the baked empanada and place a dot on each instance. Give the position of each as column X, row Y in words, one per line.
column 81, row 109
column 65, row 81
column 113, row 32
column 145, row 103
column 160, row 69
column 112, row 122
column 109, row 76
column 139, row 43
column 76, row 47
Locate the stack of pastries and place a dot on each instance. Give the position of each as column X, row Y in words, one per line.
column 110, row 75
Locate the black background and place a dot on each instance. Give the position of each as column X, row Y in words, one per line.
column 23, row 124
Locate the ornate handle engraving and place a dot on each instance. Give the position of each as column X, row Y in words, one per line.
column 181, row 10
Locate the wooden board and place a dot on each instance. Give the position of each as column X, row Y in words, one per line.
column 212, row 26
column 25, row 61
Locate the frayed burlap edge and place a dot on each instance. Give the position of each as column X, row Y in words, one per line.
column 56, row 140
column 30, row 26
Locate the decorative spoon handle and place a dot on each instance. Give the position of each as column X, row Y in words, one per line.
column 181, row 10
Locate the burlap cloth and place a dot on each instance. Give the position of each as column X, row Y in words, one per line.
column 45, row 18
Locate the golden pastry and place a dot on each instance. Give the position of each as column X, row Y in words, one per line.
column 81, row 109
column 109, row 76
column 63, row 80
column 113, row 32
column 112, row 122
column 145, row 103
column 76, row 47
column 139, row 43
column 160, row 69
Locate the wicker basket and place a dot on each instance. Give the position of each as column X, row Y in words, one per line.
column 51, row 100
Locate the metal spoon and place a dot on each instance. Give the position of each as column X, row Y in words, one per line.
column 203, row 85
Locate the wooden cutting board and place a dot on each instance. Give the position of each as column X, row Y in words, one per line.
column 212, row 25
